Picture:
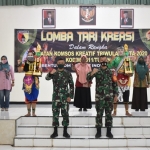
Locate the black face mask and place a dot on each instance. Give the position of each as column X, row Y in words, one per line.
column 141, row 62
column 60, row 66
column 30, row 58
column 103, row 64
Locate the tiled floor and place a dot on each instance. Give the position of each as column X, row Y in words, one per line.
column 16, row 111
column 3, row 147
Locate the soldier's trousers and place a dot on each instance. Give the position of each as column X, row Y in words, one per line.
column 104, row 104
column 64, row 107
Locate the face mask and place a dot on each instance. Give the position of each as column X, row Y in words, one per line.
column 4, row 61
column 141, row 62
column 30, row 58
column 103, row 63
column 60, row 66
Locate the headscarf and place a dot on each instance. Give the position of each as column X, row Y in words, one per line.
column 5, row 67
column 82, row 69
column 141, row 69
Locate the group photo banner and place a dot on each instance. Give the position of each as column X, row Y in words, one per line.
column 70, row 44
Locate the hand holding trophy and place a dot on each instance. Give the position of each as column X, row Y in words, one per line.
column 37, row 67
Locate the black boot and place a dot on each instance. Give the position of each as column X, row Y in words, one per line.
column 109, row 134
column 65, row 134
column 55, row 134
column 80, row 109
column 84, row 109
column 142, row 109
column 98, row 134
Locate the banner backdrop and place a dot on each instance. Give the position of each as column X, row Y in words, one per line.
column 72, row 43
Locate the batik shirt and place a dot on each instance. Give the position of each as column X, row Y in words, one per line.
column 144, row 83
column 105, row 87
column 61, row 80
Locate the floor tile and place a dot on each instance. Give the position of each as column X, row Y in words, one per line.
column 99, row 143
column 22, row 148
column 5, row 147
column 99, row 148
column 61, row 149
column 118, row 148
column 41, row 148
column 16, row 111
column 137, row 148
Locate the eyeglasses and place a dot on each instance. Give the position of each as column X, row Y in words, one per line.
column 3, row 59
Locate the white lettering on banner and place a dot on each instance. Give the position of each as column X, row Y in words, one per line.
column 60, row 36
column 95, row 65
column 91, row 46
column 72, row 46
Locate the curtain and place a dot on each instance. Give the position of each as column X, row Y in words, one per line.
column 73, row 2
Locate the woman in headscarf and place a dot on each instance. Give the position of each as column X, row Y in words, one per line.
column 141, row 83
column 82, row 92
column 6, row 82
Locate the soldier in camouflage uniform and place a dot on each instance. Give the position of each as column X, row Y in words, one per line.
column 61, row 95
column 106, row 94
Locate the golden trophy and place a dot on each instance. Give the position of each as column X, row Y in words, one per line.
column 128, row 66
column 125, row 48
column 37, row 65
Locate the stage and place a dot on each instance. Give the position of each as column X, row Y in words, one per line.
column 33, row 133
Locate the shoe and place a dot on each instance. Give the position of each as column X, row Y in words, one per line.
column 80, row 109
column 142, row 109
column 65, row 134
column 84, row 109
column 6, row 109
column 109, row 134
column 136, row 109
column 98, row 134
column 55, row 134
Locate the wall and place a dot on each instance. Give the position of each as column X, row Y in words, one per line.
column 67, row 17
column 7, row 132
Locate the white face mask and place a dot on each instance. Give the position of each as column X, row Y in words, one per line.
column 30, row 58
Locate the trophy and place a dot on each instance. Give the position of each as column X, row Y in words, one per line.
column 128, row 66
column 37, row 64
column 38, row 50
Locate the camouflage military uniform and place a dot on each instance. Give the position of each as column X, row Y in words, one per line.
column 105, row 92
column 61, row 79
